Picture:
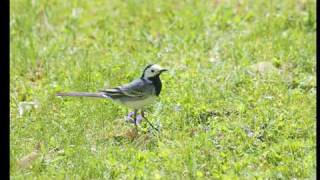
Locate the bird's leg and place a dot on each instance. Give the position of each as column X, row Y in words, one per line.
column 135, row 119
column 142, row 114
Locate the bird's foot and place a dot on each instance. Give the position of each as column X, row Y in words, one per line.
column 130, row 118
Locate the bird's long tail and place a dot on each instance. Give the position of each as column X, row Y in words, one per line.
column 83, row 94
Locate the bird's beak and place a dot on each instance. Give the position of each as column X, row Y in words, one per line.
column 163, row 70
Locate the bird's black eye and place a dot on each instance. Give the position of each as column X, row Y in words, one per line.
column 152, row 70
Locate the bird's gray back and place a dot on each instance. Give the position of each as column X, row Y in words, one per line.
column 134, row 94
column 140, row 87
column 137, row 94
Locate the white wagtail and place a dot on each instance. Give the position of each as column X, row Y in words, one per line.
column 136, row 94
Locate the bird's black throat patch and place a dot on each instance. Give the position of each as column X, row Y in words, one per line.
column 157, row 83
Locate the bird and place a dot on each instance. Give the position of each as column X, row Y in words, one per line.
column 135, row 95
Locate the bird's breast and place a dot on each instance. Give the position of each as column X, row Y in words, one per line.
column 140, row 103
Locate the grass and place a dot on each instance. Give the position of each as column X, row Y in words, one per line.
column 238, row 102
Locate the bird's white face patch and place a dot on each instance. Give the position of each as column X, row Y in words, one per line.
column 153, row 70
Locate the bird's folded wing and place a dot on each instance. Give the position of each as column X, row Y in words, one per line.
column 136, row 88
column 134, row 93
column 119, row 92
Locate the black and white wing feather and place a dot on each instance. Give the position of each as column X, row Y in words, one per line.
column 138, row 88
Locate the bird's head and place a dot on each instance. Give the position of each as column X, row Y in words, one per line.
column 152, row 70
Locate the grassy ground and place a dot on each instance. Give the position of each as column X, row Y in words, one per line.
column 238, row 102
